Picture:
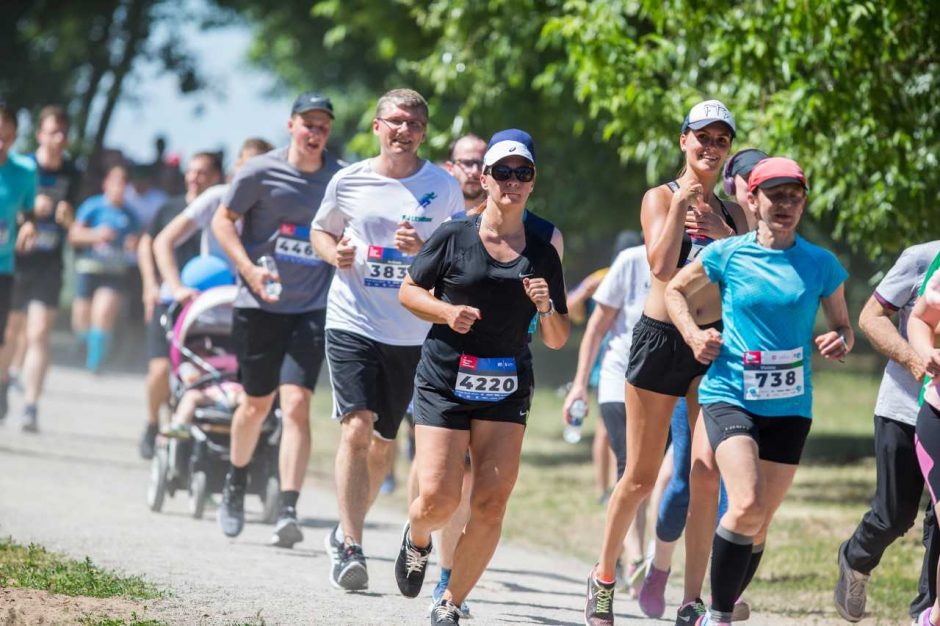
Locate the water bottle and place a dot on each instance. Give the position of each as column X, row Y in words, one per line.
column 577, row 411
column 271, row 287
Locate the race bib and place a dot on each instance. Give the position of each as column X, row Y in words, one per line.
column 293, row 245
column 773, row 374
column 48, row 237
column 486, row 380
column 386, row 267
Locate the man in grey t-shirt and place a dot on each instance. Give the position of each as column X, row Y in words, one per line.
column 278, row 339
column 899, row 480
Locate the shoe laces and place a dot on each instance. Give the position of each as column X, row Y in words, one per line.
column 446, row 610
column 603, row 599
column 857, row 586
column 415, row 561
column 353, row 551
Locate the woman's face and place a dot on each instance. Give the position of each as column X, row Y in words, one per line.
column 780, row 207
column 511, row 192
column 705, row 149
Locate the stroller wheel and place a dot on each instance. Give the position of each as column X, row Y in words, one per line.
column 271, row 492
column 156, row 490
column 197, row 494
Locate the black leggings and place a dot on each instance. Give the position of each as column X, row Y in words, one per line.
column 614, row 415
column 927, row 444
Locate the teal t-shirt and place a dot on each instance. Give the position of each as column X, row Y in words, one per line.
column 769, row 300
column 17, row 192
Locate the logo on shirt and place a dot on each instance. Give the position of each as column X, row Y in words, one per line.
column 423, row 203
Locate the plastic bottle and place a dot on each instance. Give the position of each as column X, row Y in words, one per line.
column 271, row 287
column 577, row 412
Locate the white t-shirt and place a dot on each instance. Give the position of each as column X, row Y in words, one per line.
column 624, row 287
column 200, row 212
column 367, row 208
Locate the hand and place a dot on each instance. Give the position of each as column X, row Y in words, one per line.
column 406, row 238
column 537, row 290
column 706, row 345
column 917, row 367
column 932, row 366
column 832, row 346
column 577, row 392
column 345, row 253
column 105, row 234
column 26, row 237
column 461, row 317
column 64, row 215
column 706, row 223
column 150, row 297
column 42, row 206
column 256, row 277
column 690, row 192
column 184, row 294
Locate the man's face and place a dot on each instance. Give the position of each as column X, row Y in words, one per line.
column 7, row 138
column 200, row 175
column 309, row 132
column 466, row 165
column 400, row 130
column 114, row 184
column 53, row 135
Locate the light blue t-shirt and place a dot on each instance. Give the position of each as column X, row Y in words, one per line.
column 18, row 180
column 105, row 258
column 769, row 300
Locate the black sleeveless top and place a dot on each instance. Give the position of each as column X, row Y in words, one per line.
column 687, row 247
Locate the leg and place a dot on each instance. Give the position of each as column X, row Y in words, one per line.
column 81, row 317
column 353, row 484
column 105, row 305
column 440, row 468
column 601, row 460
column 495, row 449
column 39, row 323
column 453, row 530
column 16, row 325
column 246, row 428
column 158, row 388
column 295, row 439
column 704, row 481
column 381, row 462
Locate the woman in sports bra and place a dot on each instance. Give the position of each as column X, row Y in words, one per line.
column 679, row 219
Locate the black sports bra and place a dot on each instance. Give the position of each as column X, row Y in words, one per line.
column 690, row 249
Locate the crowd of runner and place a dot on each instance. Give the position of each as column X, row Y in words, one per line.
column 423, row 286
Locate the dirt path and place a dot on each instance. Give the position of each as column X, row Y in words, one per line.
column 79, row 488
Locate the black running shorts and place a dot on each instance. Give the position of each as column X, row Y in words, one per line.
column 157, row 345
column 779, row 439
column 277, row 349
column 660, row 360
column 445, row 410
column 370, row 376
column 37, row 284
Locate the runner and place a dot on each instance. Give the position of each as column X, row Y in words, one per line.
column 679, row 219
column 204, row 170
column 195, row 218
column 757, row 395
column 103, row 234
column 735, row 175
column 18, row 182
column 490, row 274
column 279, row 338
column 38, row 276
column 374, row 217
column 899, row 483
column 465, row 163
column 924, row 320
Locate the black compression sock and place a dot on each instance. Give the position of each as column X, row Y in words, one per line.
column 756, row 553
column 288, row 499
column 731, row 553
column 238, row 475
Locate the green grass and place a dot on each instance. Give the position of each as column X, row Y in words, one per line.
column 34, row 567
column 107, row 621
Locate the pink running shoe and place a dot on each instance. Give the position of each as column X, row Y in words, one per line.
column 924, row 618
column 652, row 596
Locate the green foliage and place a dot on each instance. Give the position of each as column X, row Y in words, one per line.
column 35, row 568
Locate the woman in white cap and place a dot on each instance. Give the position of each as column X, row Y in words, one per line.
column 480, row 281
column 679, row 220
column 756, row 397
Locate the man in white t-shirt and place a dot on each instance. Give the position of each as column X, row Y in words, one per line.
column 374, row 217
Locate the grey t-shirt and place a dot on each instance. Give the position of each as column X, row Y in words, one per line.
column 278, row 202
column 897, row 396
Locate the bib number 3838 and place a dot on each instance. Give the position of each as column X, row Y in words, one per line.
column 773, row 374
column 486, row 380
column 386, row 267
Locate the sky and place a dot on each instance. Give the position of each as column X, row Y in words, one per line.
column 237, row 105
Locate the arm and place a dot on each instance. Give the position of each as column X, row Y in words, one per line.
column 180, row 229
column 602, row 319
column 423, row 304
column 334, row 250
column 555, row 328
column 81, row 235
column 223, row 227
column 558, row 241
column 705, row 344
column 875, row 321
column 840, row 339
column 578, row 298
column 921, row 332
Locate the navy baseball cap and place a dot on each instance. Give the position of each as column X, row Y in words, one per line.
column 745, row 160
column 509, row 142
column 312, row 101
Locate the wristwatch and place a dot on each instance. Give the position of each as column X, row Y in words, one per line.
column 549, row 312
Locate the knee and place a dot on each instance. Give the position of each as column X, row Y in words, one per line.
column 158, row 369
column 489, row 507
column 747, row 516
column 635, row 483
column 295, row 407
column 256, row 409
column 704, row 480
column 357, row 431
column 436, row 505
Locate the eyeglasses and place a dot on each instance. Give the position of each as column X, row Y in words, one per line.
column 469, row 164
column 414, row 126
column 502, row 173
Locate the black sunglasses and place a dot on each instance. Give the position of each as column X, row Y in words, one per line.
column 502, row 173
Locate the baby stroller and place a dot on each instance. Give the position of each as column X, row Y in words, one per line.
column 195, row 456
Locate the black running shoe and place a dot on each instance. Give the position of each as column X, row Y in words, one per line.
column 286, row 530
column 689, row 612
column 411, row 565
column 599, row 610
column 148, row 442
column 349, row 569
column 445, row 613
column 29, row 419
column 231, row 514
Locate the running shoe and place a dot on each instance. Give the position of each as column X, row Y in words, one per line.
column 599, row 610
column 742, row 611
column 286, row 530
column 231, row 513
column 349, row 569
column 29, row 420
column 438, row 593
column 411, row 566
column 690, row 612
column 652, row 594
column 850, row 595
column 708, row 620
column 924, row 618
column 148, row 442
column 445, row 613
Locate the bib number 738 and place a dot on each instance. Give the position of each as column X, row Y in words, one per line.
column 773, row 374
column 486, row 379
